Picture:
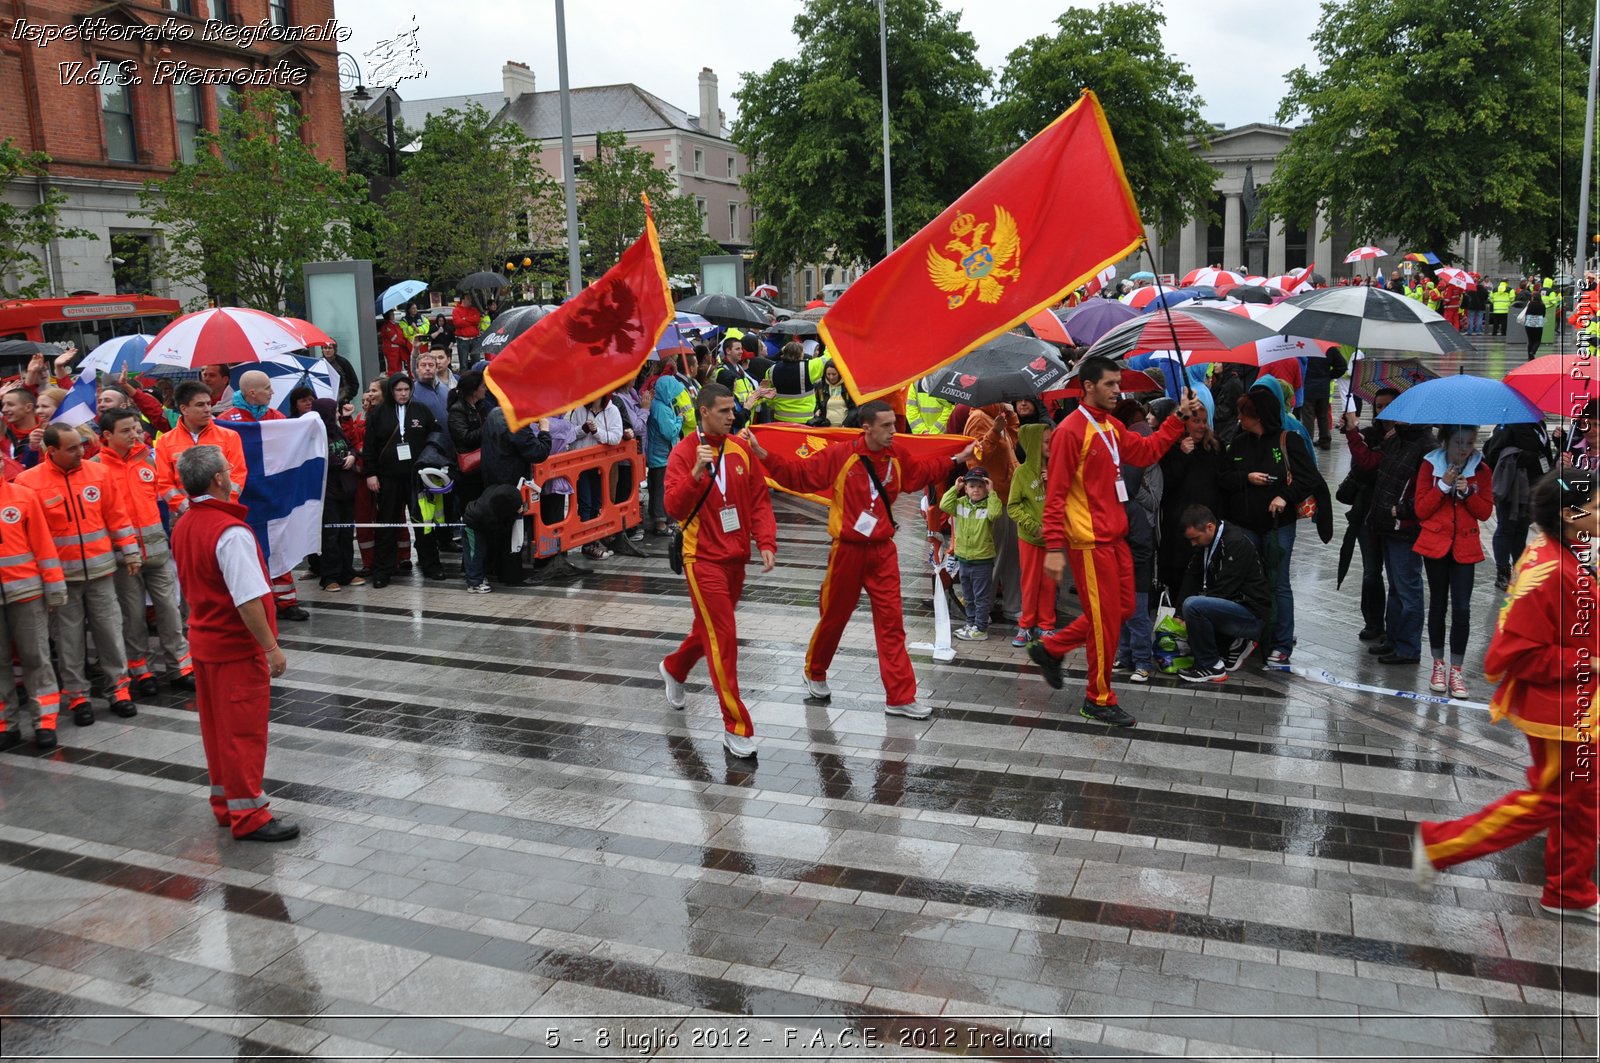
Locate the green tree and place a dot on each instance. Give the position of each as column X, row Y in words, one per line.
column 255, row 206
column 812, row 128
column 25, row 230
column 611, row 214
column 1425, row 122
column 1149, row 99
column 366, row 146
column 472, row 193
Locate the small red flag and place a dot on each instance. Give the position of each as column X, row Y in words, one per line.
column 797, row 441
column 593, row 344
column 1046, row 220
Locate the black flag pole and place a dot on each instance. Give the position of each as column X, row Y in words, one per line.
column 1173, row 383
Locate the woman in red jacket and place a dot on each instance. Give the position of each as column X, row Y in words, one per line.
column 1543, row 658
column 1453, row 494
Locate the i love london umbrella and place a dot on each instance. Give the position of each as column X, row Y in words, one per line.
column 1007, row 368
column 1561, row 384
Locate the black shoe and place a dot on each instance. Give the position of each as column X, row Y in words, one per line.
column 1049, row 664
column 449, row 546
column 182, row 681
column 294, row 612
column 13, row 739
column 274, row 830
column 1203, row 674
column 1324, row 444
column 435, row 573
column 1382, row 649
column 147, row 686
column 124, row 707
column 1110, row 715
column 1390, row 658
column 404, row 566
column 43, row 738
column 83, row 714
column 1367, row 634
column 1502, row 577
column 379, row 582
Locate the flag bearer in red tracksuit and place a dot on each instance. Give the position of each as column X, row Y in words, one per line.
column 133, row 468
column 92, row 533
column 234, row 635
column 863, row 552
column 253, row 403
column 717, row 479
column 1544, row 657
column 31, row 586
column 1086, row 528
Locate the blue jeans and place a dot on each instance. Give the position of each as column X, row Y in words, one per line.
column 1403, row 619
column 1474, row 322
column 473, row 548
column 589, row 496
column 1207, row 618
column 1282, row 634
column 1510, row 539
column 977, row 587
column 1373, row 597
column 1136, row 643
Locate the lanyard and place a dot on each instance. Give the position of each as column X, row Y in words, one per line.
column 719, row 472
column 1108, row 436
column 1205, row 571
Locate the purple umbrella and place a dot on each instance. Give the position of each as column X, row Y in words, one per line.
column 1093, row 318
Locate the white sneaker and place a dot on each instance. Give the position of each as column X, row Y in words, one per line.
column 479, row 588
column 816, row 688
column 1591, row 913
column 913, row 711
column 675, row 693
column 1422, row 870
column 971, row 634
column 743, row 748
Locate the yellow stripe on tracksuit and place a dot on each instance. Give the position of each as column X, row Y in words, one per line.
column 744, row 727
column 1497, row 820
column 825, row 598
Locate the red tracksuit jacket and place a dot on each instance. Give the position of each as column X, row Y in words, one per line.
column 838, row 469
column 1081, row 507
column 744, row 487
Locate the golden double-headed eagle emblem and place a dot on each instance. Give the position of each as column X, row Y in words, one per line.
column 979, row 265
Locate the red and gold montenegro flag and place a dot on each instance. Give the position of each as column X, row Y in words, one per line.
column 800, row 442
column 594, row 344
column 1050, row 217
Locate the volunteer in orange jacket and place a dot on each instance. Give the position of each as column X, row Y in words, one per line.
column 93, row 535
column 31, row 585
column 195, row 427
column 1543, row 661
column 252, row 403
column 718, row 491
column 863, row 478
column 1086, row 528
column 126, row 457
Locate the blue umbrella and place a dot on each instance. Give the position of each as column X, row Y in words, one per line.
column 1173, row 296
column 115, row 355
column 396, row 294
column 1462, row 399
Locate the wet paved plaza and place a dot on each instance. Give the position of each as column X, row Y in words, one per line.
column 512, row 846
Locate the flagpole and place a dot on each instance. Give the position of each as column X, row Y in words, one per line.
column 569, row 168
column 883, row 74
column 1172, row 326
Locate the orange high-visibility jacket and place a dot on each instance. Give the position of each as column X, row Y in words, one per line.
column 88, row 521
column 170, row 444
column 135, row 477
column 29, row 565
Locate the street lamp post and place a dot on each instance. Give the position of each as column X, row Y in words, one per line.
column 361, row 95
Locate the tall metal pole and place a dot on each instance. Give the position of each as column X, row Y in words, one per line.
column 1588, row 149
column 883, row 71
column 569, row 169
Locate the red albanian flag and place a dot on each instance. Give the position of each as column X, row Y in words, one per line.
column 594, row 344
column 1039, row 225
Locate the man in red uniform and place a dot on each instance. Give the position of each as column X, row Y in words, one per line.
column 31, row 586
column 235, row 642
column 253, row 403
column 718, row 491
column 864, row 477
column 1086, row 527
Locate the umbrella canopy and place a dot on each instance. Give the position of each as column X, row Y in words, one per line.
column 291, row 371
column 224, row 335
column 1134, row 382
column 1290, row 283
column 1200, row 329
column 1250, row 293
column 1556, row 383
column 1367, row 317
column 24, row 350
column 311, row 334
column 1369, row 251
column 1007, row 367
column 765, row 291
column 1368, row 376
column 397, row 294
column 812, row 313
column 725, row 310
column 1462, row 399
column 115, row 355
column 507, row 326
column 1175, row 296
column 1047, row 326
column 1090, row 320
column 793, row 326
column 482, row 282
column 1425, row 257
column 1220, row 279
column 1456, row 277
column 1259, row 353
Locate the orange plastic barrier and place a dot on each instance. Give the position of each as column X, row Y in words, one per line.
column 621, row 465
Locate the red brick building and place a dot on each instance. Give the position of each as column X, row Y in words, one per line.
column 115, row 92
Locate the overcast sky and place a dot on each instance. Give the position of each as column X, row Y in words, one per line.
column 1238, row 52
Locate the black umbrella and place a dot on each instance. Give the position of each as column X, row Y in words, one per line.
column 24, row 350
column 508, row 326
column 1199, row 329
column 482, row 282
column 1006, row 368
column 794, row 326
column 727, row 310
column 1250, row 293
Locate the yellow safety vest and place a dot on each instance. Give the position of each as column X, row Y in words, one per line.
column 684, row 405
column 796, row 400
column 928, row 414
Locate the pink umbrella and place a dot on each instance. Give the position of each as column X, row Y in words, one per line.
column 222, row 336
column 1369, row 251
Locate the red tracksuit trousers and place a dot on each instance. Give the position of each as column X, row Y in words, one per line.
column 1560, row 801
column 1038, row 590
column 874, row 566
column 714, row 590
column 233, row 698
column 1104, row 578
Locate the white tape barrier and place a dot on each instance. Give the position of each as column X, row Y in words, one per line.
column 1322, row 675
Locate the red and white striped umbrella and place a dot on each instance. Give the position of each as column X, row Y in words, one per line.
column 1456, row 277
column 765, row 291
column 309, row 333
column 1140, row 298
column 1369, row 251
column 1254, row 280
column 1291, row 283
column 1220, row 279
column 224, row 335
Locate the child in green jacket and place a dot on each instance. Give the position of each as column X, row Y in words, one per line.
column 973, row 507
column 1026, row 508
